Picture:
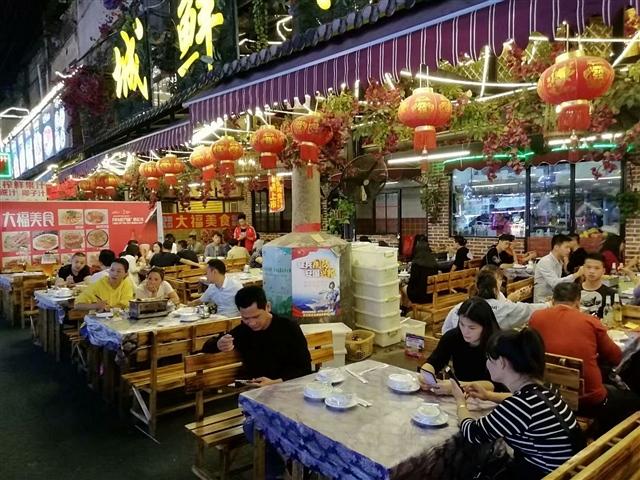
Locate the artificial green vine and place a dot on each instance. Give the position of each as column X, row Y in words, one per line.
column 260, row 24
column 431, row 195
column 341, row 215
column 628, row 203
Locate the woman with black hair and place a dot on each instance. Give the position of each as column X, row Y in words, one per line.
column 613, row 252
column 532, row 419
column 465, row 347
column 461, row 253
column 423, row 265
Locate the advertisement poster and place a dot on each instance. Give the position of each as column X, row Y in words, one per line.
column 276, row 271
column 315, row 282
column 29, row 229
column 22, row 191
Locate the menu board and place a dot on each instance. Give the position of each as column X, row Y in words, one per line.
column 22, row 191
column 29, row 229
column 315, row 282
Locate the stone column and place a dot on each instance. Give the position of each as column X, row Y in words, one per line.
column 306, row 200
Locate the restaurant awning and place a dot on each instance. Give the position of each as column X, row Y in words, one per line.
column 399, row 45
column 169, row 137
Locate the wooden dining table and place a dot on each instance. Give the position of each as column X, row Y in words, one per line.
column 376, row 442
column 10, row 284
column 53, row 309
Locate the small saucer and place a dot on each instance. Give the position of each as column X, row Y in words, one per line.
column 440, row 421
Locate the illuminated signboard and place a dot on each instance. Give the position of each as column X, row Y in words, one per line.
column 5, row 165
column 42, row 138
column 195, row 31
column 126, row 72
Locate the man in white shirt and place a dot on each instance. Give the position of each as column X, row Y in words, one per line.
column 548, row 271
column 105, row 259
column 221, row 290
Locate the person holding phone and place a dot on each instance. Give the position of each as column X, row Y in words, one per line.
column 532, row 419
column 465, row 347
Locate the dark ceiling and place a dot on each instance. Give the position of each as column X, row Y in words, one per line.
column 22, row 26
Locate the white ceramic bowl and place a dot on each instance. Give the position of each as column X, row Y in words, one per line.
column 401, row 381
column 341, row 399
column 317, row 390
column 428, row 413
column 63, row 292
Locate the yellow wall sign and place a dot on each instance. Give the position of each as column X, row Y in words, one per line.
column 126, row 72
column 276, row 194
column 195, row 31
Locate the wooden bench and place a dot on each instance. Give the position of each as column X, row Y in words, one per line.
column 527, row 283
column 78, row 355
column 566, row 374
column 192, row 273
column 631, row 313
column 235, row 264
column 223, row 431
column 613, row 456
column 28, row 306
column 145, row 385
column 475, row 263
column 444, row 289
column 188, row 289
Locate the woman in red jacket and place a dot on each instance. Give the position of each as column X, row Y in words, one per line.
column 245, row 233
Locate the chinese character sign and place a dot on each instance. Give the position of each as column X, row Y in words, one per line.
column 196, row 21
column 22, row 191
column 126, row 72
column 5, row 165
column 276, row 194
column 315, row 280
column 197, row 221
column 29, row 229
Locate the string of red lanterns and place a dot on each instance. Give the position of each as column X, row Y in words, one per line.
column 311, row 134
column 226, row 151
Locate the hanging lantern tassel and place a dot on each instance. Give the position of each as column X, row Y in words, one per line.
column 424, row 138
column 310, row 152
column 268, row 160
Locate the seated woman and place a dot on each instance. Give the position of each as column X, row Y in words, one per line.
column 465, row 347
column 532, row 419
column 460, row 251
column 155, row 286
column 111, row 291
column 133, row 255
column 613, row 252
column 509, row 314
column 423, row 265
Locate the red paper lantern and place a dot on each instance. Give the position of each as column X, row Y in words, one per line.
column 170, row 166
column 311, row 134
column 201, row 157
column 269, row 142
column 571, row 82
column 424, row 111
column 226, row 151
column 149, row 170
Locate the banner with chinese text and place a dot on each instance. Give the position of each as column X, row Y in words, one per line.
column 315, row 282
column 276, row 194
column 203, row 224
column 22, row 191
column 29, row 229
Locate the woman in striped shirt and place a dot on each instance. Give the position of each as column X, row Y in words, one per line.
column 532, row 419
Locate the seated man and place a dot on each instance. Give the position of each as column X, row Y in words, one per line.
column 548, row 272
column 165, row 258
column 567, row 331
column 273, row 349
column 237, row 251
column 217, row 248
column 594, row 292
column 105, row 258
column 221, row 290
column 187, row 257
column 74, row 272
column 500, row 253
column 112, row 291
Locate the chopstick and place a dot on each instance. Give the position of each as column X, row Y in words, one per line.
column 363, row 380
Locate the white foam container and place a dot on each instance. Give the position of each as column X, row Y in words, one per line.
column 413, row 326
column 375, row 289
column 339, row 331
column 379, row 322
column 369, row 255
column 339, row 359
column 377, row 306
column 375, row 275
column 384, row 338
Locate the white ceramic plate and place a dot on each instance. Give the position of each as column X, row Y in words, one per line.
column 330, row 402
column 442, row 419
column 189, row 318
column 413, row 388
column 104, row 314
column 321, row 392
column 337, row 377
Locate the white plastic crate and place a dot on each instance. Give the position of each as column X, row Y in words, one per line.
column 377, row 275
column 375, row 289
column 384, row 338
column 338, row 359
column 378, row 322
column 411, row 325
column 374, row 256
column 339, row 330
column 377, row 306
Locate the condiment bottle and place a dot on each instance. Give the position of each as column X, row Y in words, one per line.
column 617, row 310
column 607, row 314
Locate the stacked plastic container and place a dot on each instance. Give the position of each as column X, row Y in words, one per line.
column 376, row 294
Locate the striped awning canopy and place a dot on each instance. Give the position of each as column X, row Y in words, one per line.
column 169, row 137
column 449, row 37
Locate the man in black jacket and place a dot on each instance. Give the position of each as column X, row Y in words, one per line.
column 273, row 349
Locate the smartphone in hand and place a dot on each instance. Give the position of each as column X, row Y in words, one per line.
column 428, row 377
